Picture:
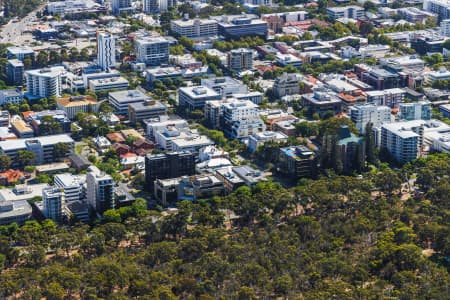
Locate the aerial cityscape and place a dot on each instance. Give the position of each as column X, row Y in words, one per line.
column 225, row 149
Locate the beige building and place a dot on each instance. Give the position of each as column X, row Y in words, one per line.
column 74, row 104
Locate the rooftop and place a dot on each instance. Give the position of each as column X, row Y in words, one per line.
column 43, row 140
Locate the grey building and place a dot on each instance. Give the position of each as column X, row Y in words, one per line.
column 14, row 72
column 53, row 199
column 139, row 111
column 321, row 102
column 240, row 59
column 153, row 51
column 286, row 84
column 17, row 211
column 193, row 98
column 121, row 100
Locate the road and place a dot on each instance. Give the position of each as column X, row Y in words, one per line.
column 13, row 31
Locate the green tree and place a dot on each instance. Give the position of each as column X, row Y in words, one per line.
column 25, row 157
column 49, row 126
column 5, row 162
column 60, row 150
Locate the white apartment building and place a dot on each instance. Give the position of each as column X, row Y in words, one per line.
column 44, row 83
column 106, row 51
column 158, row 124
column 195, row 28
column 53, row 199
column 348, row 12
column 439, row 7
column 402, row 140
column 260, row 138
column 445, row 27
column 73, row 186
column 388, row 97
column 153, row 51
column 100, row 190
column 363, row 114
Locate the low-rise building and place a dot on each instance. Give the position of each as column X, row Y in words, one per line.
column 21, row 129
column 115, row 83
column 121, row 100
column 13, row 96
column 74, row 104
column 195, row 28
column 14, row 212
column 193, row 98
column 139, row 111
column 322, row 101
column 225, row 86
column 260, row 138
column 42, row 147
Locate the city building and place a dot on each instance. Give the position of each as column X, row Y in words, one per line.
column 115, row 83
column 35, row 120
column 415, row 111
column 190, row 188
column 297, row 162
column 21, row 129
column 322, row 101
column 14, row 72
column 428, row 44
column 444, row 109
column 74, row 104
column 20, row 52
column 42, row 147
column 162, row 74
column 168, row 165
column 402, row 140
column 241, row 119
column 181, row 139
column 237, row 26
column 379, row 78
column 99, row 190
column 53, row 201
column 260, row 138
column 363, row 114
column 150, row 6
column 348, row 12
column 415, row 15
column 148, row 109
column 74, row 7
column 287, row 59
column 153, row 51
column 194, row 28
column 193, row 98
column 13, row 96
column 439, row 7
column 433, row 76
column 286, row 84
column 445, row 27
column 225, row 86
column 351, row 150
column 388, row 97
column 240, row 59
column 249, row 175
column 4, row 118
column 72, row 185
column 44, row 83
column 14, row 212
column 121, row 6
column 160, row 123
column 106, row 51
column 229, row 178
column 121, row 100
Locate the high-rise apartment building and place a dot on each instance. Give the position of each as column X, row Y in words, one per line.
column 439, row 7
column 153, row 51
column 369, row 113
column 240, row 59
column 106, row 51
column 14, row 72
column 120, row 6
column 44, row 83
column 415, row 111
column 53, row 199
column 100, row 190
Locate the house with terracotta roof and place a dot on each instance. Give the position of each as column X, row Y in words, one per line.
column 115, row 137
column 11, row 176
column 120, row 148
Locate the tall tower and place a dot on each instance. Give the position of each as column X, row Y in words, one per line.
column 53, row 201
column 100, row 190
column 106, row 51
